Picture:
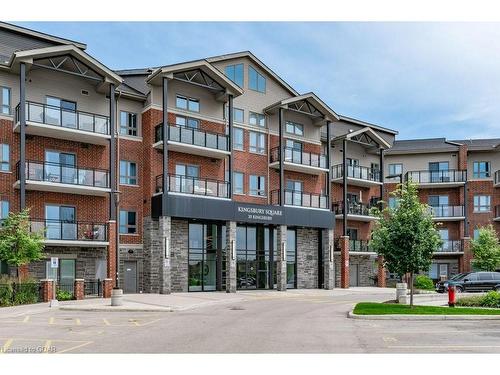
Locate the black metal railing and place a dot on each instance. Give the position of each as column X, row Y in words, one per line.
column 66, row 286
column 355, row 245
column 353, row 208
column 194, row 185
column 64, row 174
column 70, row 230
column 451, row 246
column 356, row 171
column 299, row 157
column 497, row 211
column 300, row 199
column 92, row 288
column 497, row 177
column 193, row 136
column 66, row 118
column 435, row 177
column 447, row 211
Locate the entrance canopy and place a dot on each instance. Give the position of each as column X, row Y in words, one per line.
column 365, row 136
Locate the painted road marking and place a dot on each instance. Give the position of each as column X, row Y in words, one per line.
column 51, row 320
column 78, row 322
column 444, row 346
column 75, row 347
column 47, row 346
column 26, row 319
column 389, row 339
column 7, row 345
column 106, row 322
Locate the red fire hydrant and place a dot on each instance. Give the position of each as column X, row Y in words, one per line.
column 451, row 295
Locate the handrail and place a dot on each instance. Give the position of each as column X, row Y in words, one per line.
column 443, row 176
column 292, row 155
column 300, row 199
column 353, row 208
column 356, row 171
column 451, row 246
column 70, row 230
column 66, row 118
column 65, row 174
column 355, row 245
column 193, row 185
column 447, row 211
column 193, row 136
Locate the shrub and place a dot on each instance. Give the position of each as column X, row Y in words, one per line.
column 14, row 293
column 492, row 299
column 423, row 282
column 63, row 295
column 26, row 293
column 6, row 293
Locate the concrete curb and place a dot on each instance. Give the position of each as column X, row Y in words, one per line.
column 114, row 309
column 351, row 315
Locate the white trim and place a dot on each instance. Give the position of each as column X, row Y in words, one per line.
column 49, row 242
column 196, row 196
column 130, row 138
column 3, row 116
column 152, row 106
column 307, row 208
column 137, row 246
column 69, row 188
column 450, row 218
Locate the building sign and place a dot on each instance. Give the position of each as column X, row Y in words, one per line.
column 259, row 214
column 54, row 262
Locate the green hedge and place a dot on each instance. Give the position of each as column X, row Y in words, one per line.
column 492, row 299
column 423, row 282
column 15, row 293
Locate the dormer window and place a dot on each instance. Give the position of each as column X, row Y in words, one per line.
column 256, row 81
column 294, row 128
column 188, row 104
column 235, row 73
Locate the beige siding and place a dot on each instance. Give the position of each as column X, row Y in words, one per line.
column 354, row 151
column 420, row 162
column 133, row 106
column 492, row 157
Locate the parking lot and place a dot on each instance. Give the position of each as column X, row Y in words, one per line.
column 253, row 322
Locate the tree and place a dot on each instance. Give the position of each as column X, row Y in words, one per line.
column 18, row 244
column 486, row 249
column 406, row 236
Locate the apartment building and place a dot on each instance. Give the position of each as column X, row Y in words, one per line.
column 213, row 174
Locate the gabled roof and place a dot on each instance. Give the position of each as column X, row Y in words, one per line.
column 364, row 123
column 421, row 146
column 364, row 135
column 486, row 144
column 40, row 53
column 201, row 66
column 309, row 104
column 40, row 35
column 259, row 63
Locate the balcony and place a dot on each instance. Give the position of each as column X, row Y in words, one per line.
column 357, row 175
column 496, row 181
column 56, row 122
column 76, row 233
column 447, row 213
column 197, row 187
column 436, row 179
column 63, row 178
column 355, row 211
column 356, row 246
column 451, row 247
column 296, row 198
column 497, row 213
column 299, row 161
column 193, row 141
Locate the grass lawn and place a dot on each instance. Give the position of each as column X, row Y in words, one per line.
column 372, row 308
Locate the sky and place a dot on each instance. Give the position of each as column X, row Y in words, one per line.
column 424, row 80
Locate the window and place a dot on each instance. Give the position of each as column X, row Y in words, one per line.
column 257, row 119
column 257, row 143
column 294, row 128
column 256, row 81
column 128, row 223
column 438, row 200
column 439, row 166
column 60, row 222
column 4, row 209
column 5, row 155
column 188, row 104
column 258, row 185
column 235, row 73
column 187, row 122
column 238, row 115
column 128, row 123
column 5, row 100
column 476, row 234
column 238, row 139
column 395, row 169
column 393, row 202
column 128, row 173
column 238, row 183
column 482, row 203
column 481, row 169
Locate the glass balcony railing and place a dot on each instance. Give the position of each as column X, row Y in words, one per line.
column 447, row 211
column 193, row 136
column 353, row 208
column 294, row 156
column 66, row 118
column 497, row 178
column 65, row 174
column 451, row 246
column 194, row 185
column 300, row 199
column 435, row 177
column 69, row 230
column 356, row 171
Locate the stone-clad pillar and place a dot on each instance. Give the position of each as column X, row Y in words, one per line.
column 164, row 232
column 231, row 257
column 281, row 258
column 467, row 257
column 328, row 269
column 344, row 261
